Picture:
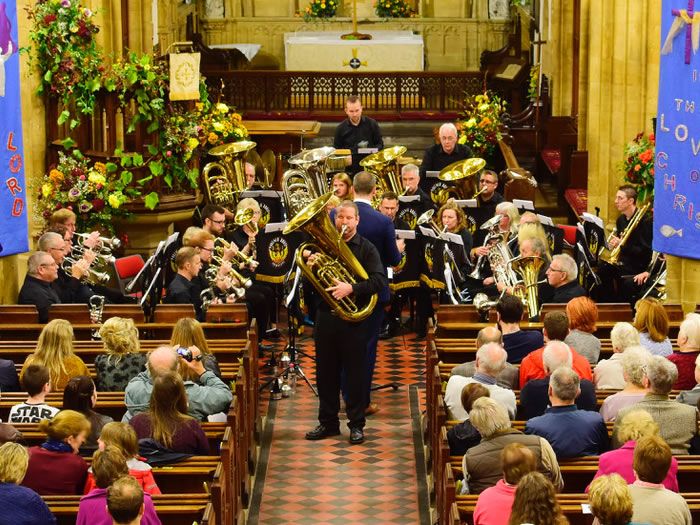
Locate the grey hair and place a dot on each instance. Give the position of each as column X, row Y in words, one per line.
column 537, row 245
column 661, row 373
column 412, row 168
column 446, row 126
column 556, row 354
column 35, row 260
column 623, row 335
column 488, row 334
column 489, row 417
column 492, row 358
column 634, row 362
column 568, row 265
column 48, row 240
column 565, row 383
column 690, row 328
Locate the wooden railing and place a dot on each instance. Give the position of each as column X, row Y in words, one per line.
column 321, row 95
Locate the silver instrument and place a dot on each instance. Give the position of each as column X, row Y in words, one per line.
column 96, row 304
column 92, row 277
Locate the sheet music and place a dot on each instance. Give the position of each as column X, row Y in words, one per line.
column 524, row 204
column 405, row 234
column 427, row 232
column 272, row 227
column 545, row 220
column 453, row 237
column 432, row 174
column 261, row 193
column 466, row 203
column 367, row 151
column 409, row 198
column 592, row 218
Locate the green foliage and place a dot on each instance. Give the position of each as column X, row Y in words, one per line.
column 393, row 9
column 480, row 122
column 638, row 165
column 320, row 9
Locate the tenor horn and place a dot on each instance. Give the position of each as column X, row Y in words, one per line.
column 333, row 259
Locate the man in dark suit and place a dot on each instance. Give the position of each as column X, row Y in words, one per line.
column 379, row 230
column 68, row 285
column 181, row 290
column 42, row 270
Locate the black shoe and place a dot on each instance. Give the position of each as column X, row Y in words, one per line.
column 357, row 436
column 322, row 432
column 385, row 334
column 273, row 334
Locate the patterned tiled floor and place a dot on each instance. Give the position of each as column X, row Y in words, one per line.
column 330, row 481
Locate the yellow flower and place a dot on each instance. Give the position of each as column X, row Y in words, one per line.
column 218, row 126
column 192, row 143
column 483, row 107
column 221, row 107
column 462, row 139
column 114, row 200
column 470, row 123
column 99, row 166
column 46, row 189
column 96, row 178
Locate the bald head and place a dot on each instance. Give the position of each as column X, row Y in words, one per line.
column 162, row 360
column 491, row 359
column 556, row 354
column 490, row 334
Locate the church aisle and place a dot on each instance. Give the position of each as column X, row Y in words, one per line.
column 333, row 482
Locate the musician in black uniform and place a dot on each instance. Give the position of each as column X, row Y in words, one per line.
column 635, row 253
column 439, row 156
column 42, row 270
column 68, row 286
column 562, row 276
column 181, row 289
column 357, row 131
column 341, row 345
column 488, row 182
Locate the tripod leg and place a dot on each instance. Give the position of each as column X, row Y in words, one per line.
column 300, row 373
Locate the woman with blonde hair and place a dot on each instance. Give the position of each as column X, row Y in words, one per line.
column 19, row 504
column 342, row 186
column 651, row 321
column 166, row 421
column 536, row 502
column 123, row 359
column 510, row 218
column 188, row 332
column 451, row 218
column 55, row 466
column 634, row 362
column 611, row 500
column 583, row 315
column 530, row 228
column 633, row 426
column 54, row 350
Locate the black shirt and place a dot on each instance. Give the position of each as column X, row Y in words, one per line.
column 494, row 201
column 435, row 158
column 635, row 255
column 39, row 293
column 182, row 291
column 348, row 136
column 71, row 290
column 563, row 294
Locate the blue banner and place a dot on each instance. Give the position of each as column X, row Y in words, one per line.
column 677, row 169
column 13, row 205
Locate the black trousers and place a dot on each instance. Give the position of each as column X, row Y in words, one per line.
column 260, row 300
column 341, row 347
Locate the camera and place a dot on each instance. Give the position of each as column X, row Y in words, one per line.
column 186, row 354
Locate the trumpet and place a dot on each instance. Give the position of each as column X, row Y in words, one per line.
column 102, row 259
column 221, row 244
column 92, row 276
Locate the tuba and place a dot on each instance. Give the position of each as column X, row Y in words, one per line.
column 463, row 174
column 613, row 256
column 334, row 260
column 529, row 270
column 228, row 177
column 306, row 182
column 384, row 165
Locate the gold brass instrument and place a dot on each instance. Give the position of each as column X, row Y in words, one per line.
column 529, row 270
column 265, row 167
column 313, row 163
column 245, row 217
column 97, row 305
column 91, row 277
column 297, row 191
column 520, row 174
column 225, row 177
column 427, row 218
column 385, row 166
column 213, row 272
column 111, row 243
column 463, row 174
column 221, row 244
column 493, row 236
column 613, row 256
column 334, row 260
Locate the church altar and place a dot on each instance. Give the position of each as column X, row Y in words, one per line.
column 325, row 51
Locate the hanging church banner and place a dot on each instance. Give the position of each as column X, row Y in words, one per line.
column 677, row 177
column 13, row 210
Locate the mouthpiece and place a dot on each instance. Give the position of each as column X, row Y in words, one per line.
column 343, row 229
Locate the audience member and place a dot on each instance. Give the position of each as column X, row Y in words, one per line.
column 490, row 360
column 651, row 321
column 125, row 501
column 634, row 362
column 122, row 436
column 518, row 343
column 608, row 372
column 610, row 500
column 481, row 463
column 555, row 328
column 80, row 395
column 494, row 504
column 677, row 421
column 108, row 466
column 572, row 432
column 652, row 502
column 463, row 436
column 54, row 466
column 9, row 381
column 583, row 315
column 188, row 332
column 691, row 397
column 37, row 384
column 54, row 350
column 123, row 359
column 688, row 352
column 508, row 378
column 20, row 505
column 206, row 396
column 167, row 421
column 536, row 502
column 635, row 425
column 535, row 395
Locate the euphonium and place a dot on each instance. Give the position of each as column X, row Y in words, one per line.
column 313, row 163
column 613, row 257
column 385, row 166
column 529, row 270
column 297, row 190
column 334, row 260
column 222, row 188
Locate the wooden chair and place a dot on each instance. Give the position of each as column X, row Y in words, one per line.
column 171, row 313
column 73, row 313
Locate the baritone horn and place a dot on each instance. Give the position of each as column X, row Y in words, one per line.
column 333, row 259
column 225, row 177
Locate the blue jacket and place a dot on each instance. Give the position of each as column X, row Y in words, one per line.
column 571, row 432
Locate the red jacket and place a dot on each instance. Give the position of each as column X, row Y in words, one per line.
column 137, row 469
column 532, row 368
column 51, row 473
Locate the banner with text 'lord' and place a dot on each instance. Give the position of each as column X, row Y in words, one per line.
column 13, row 209
column 677, row 170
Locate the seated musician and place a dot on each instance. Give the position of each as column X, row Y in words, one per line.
column 562, row 276
column 342, row 186
column 214, row 220
column 451, row 218
column 530, row 227
column 410, row 179
column 488, row 182
column 181, row 289
column 439, row 156
column 635, row 253
column 63, row 217
column 68, row 286
column 249, row 170
column 42, row 270
column 357, row 132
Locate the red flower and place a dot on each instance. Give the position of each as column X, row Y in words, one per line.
column 49, row 18
column 98, row 204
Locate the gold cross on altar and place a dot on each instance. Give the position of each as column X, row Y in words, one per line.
column 354, row 62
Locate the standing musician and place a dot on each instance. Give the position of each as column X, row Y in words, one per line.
column 341, row 345
column 439, row 156
column 488, row 182
column 635, row 254
column 357, row 132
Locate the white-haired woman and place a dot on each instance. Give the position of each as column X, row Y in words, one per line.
column 634, row 362
column 608, row 373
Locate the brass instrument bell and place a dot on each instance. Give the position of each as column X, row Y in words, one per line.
column 385, row 166
column 463, row 174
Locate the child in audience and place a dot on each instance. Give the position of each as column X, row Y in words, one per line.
column 122, row 436
column 37, row 384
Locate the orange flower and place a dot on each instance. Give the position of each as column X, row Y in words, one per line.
column 99, row 166
column 212, row 138
column 55, row 176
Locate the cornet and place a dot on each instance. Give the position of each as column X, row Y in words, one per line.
column 111, row 243
column 92, row 276
column 221, row 244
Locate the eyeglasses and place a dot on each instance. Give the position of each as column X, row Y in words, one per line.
column 207, row 249
column 48, row 264
column 484, row 181
column 222, row 221
column 550, row 269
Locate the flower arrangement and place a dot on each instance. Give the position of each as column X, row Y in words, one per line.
column 89, row 190
column 392, row 8
column 320, row 9
column 533, row 87
column 63, row 33
column 638, row 165
column 479, row 124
